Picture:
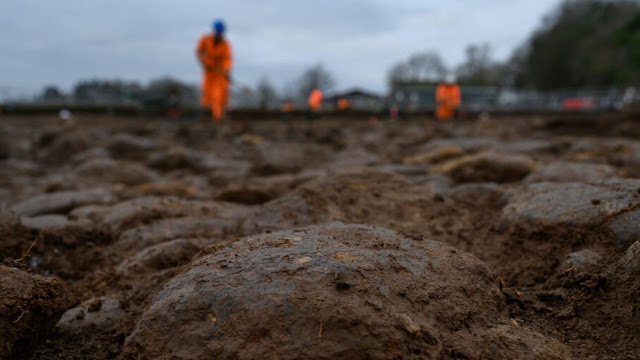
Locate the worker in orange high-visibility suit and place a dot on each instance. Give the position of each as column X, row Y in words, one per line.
column 287, row 107
column 315, row 103
column 343, row 104
column 315, row 100
column 214, row 54
column 448, row 98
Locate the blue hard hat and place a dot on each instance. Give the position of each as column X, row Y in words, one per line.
column 218, row 27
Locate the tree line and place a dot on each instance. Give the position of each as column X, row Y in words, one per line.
column 107, row 91
column 580, row 44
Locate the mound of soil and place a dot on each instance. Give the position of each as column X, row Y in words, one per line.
column 59, row 146
column 109, row 171
column 486, row 167
column 334, row 291
column 570, row 204
column 62, row 202
column 30, row 306
column 130, row 147
column 565, row 171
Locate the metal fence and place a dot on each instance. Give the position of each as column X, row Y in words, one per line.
column 407, row 98
column 492, row 98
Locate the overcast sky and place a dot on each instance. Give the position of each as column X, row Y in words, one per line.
column 60, row 42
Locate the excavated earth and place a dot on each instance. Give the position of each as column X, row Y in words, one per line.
column 514, row 238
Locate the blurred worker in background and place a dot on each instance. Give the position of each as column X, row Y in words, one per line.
column 344, row 104
column 287, row 106
column 286, row 109
column 315, row 102
column 214, row 54
column 448, row 98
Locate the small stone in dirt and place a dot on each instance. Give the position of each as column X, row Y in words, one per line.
column 103, row 313
column 408, row 324
column 579, row 260
column 631, row 260
column 303, row 260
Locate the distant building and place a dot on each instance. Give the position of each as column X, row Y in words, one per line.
column 360, row 99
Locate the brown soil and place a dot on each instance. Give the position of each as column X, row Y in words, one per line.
column 505, row 238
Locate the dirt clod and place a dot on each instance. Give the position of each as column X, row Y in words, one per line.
column 30, row 306
column 262, row 303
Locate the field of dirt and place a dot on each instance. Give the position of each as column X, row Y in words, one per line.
column 510, row 238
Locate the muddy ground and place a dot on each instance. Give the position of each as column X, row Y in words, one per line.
column 512, row 238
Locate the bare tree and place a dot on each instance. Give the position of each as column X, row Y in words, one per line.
column 316, row 77
column 421, row 67
column 266, row 93
column 478, row 68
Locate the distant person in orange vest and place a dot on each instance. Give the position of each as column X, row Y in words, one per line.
column 448, row 98
column 315, row 102
column 214, row 54
column 286, row 109
column 344, row 104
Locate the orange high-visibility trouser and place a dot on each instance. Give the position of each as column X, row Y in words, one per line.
column 445, row 111
column 215, row 94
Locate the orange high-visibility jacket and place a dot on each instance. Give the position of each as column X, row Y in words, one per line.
column 287, row 107
column 214, row 57
column 344, row 104
column 315, row 99
column 448, row 95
